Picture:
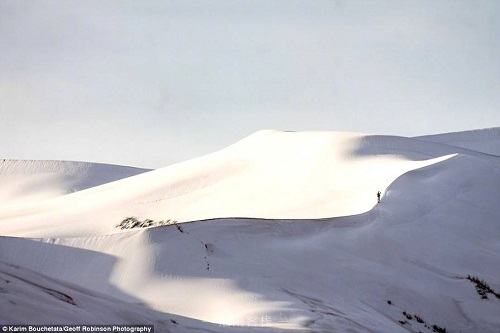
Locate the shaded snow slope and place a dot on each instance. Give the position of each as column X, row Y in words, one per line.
column 267, row 175
column 376, row 270
column 24, row 291
column 483, row 140
column 30, row 181
column 31, row 298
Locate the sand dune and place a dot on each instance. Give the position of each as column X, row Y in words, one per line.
column 482, row 140
column 258, row 256
column 267, row 175
column 26, row 182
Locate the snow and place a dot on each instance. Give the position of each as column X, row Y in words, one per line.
column 483, row 140
column 279, row 232
column 267, row 175
column 25, row 182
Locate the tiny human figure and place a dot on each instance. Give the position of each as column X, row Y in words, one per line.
column 378, row 196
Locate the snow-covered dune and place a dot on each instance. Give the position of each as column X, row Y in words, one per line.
column 408, row 264
column 483, row 140
column 30, row 181
column 267, row 175
column 30, row 297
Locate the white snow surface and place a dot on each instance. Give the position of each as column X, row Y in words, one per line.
column 483, row 140
column 29, row 181
column 280, row 232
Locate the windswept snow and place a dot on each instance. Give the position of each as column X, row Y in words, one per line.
column 258, row 258
column 484, row 140
column 267, row 175
column 29, row 297
column 25, row 182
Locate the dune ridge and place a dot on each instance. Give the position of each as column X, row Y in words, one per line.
column 240, row 259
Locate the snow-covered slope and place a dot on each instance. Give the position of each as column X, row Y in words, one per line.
column 24, row 182
column 398, row 266
column 267, row 175
column 483, row 140
column 31, row 298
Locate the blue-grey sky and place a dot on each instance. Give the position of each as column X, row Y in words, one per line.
column 151, row 83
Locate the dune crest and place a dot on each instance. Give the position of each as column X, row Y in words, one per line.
column 284, row 234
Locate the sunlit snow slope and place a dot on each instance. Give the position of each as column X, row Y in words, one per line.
column 267, row 175
column 397, row 266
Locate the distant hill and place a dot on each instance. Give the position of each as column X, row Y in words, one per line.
column 25, row 181
column 482, row 140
